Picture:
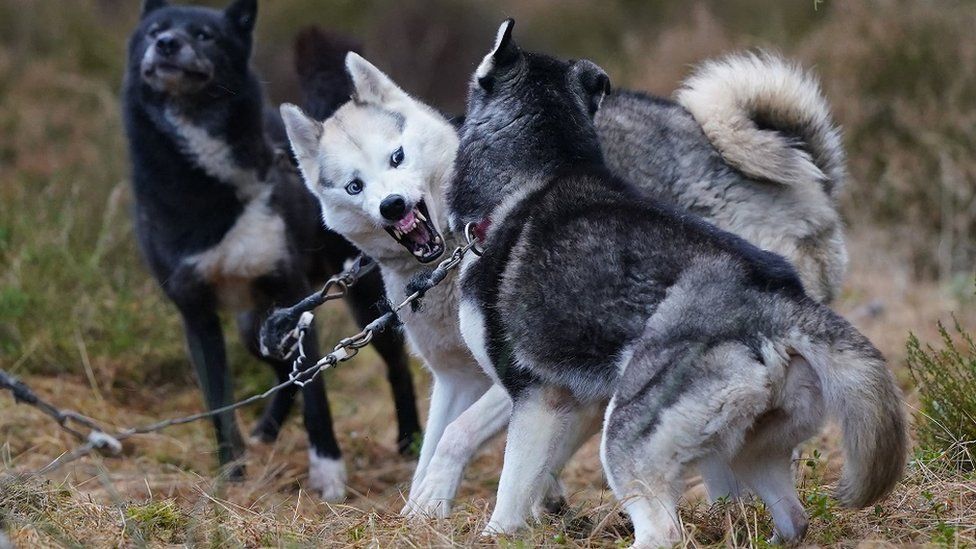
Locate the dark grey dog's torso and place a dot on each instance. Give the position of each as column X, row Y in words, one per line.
column 587, row 259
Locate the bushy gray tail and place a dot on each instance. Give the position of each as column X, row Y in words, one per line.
column 768, row 119
column 861, row 394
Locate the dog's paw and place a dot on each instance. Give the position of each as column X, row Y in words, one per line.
column 432, row 496
column 327, row 476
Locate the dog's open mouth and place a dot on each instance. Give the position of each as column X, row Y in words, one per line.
column 416, row 232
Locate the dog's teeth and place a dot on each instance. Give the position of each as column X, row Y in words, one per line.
column 418, row 253
column 437, row 239
column 421, row 215
column 397, row 233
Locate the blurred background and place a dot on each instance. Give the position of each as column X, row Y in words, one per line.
column 77, row 305
column 899, row 74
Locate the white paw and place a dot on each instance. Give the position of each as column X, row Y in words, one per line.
column 327, row 476
column 433, row 495
column 428, row 501
column 497, row 527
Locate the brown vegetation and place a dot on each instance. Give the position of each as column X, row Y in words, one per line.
column 81, row 320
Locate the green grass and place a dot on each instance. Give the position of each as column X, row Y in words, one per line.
column 946, row 379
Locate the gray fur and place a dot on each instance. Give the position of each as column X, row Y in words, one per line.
column 678, row 164
column 724, row 356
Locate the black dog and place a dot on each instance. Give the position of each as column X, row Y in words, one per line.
column 224, row 222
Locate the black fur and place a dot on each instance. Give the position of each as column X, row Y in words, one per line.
column 183, row 210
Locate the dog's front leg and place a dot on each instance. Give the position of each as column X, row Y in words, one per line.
column 455, row 390
column 432, row 494
column 205, row 343
column 541, row 417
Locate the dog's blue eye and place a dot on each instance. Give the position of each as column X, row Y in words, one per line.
column 204, row 35
column 355, row 186
column 397, row 157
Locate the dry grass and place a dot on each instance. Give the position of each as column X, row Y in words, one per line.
column 163, row 490
column 81, row 320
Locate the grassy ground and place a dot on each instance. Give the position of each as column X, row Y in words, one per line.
column 82, row 322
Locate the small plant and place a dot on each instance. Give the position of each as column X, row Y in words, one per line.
column 946, row 381
column 162, row 520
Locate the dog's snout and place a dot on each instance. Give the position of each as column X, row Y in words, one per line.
column 167, row 45
column 393, row 207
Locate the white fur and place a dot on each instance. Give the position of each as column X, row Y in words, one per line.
column 488, row 63
column 356, row 142
column 253, row 247
column 327, row 476
column 214, row 156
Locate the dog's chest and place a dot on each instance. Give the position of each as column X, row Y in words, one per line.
column 214, row 156
column 433, row 331
column 254, row 246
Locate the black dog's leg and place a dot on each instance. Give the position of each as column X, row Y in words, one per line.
column 205, row 341
column 276, row 412
column 326, row 472
column 363, row 298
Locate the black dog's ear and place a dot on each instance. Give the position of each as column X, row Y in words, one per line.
column 149, row 6
column 242, row 14
column 502, row 56
column 593, row 82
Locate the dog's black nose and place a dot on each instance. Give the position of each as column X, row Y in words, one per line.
column 393, row 207
column 167, row 45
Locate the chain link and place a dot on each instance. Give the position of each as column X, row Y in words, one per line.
column 335, row 288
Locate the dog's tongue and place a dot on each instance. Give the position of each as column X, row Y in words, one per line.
column 420, row 234
column 406, row 222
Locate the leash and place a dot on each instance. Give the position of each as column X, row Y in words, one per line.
column 350, row 346
column 282, row 321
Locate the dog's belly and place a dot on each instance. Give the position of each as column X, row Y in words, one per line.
column 254, row 246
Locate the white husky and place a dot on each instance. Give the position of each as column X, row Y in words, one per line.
column 381, row 165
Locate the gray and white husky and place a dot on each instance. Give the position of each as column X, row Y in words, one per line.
column 381, row 166
column 707, row 348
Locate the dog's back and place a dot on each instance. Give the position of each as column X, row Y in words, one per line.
column 708, row 152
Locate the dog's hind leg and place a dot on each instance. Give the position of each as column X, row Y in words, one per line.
column 764, row 461
column 675, row 406
column 205, row 342
column 720, row 481
column 363, row 299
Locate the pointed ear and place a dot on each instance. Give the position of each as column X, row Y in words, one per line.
column 369, row 84
column 304, row 133
column 503, row 56
column 149, row 6
column 242, row 14
column 593, row 82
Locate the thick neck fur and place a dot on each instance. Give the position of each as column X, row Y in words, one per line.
column 507, row 143
column 219, row 131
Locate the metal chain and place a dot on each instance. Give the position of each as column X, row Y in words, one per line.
column 335, row 288
column 350, row 346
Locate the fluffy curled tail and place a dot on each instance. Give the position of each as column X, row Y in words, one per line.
column 860, row 393
column 320, row 60
column 768, row 119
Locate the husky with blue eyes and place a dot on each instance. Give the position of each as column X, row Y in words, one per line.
column 750, row 146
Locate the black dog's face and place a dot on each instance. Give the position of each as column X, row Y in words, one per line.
column 181, row 50
column 528, row 114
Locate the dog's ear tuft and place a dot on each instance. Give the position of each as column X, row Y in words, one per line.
column 503, row 55
column 594, row 84
column 369, row 84
column 149, row 6
column 242, row 14
column 304, row 133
